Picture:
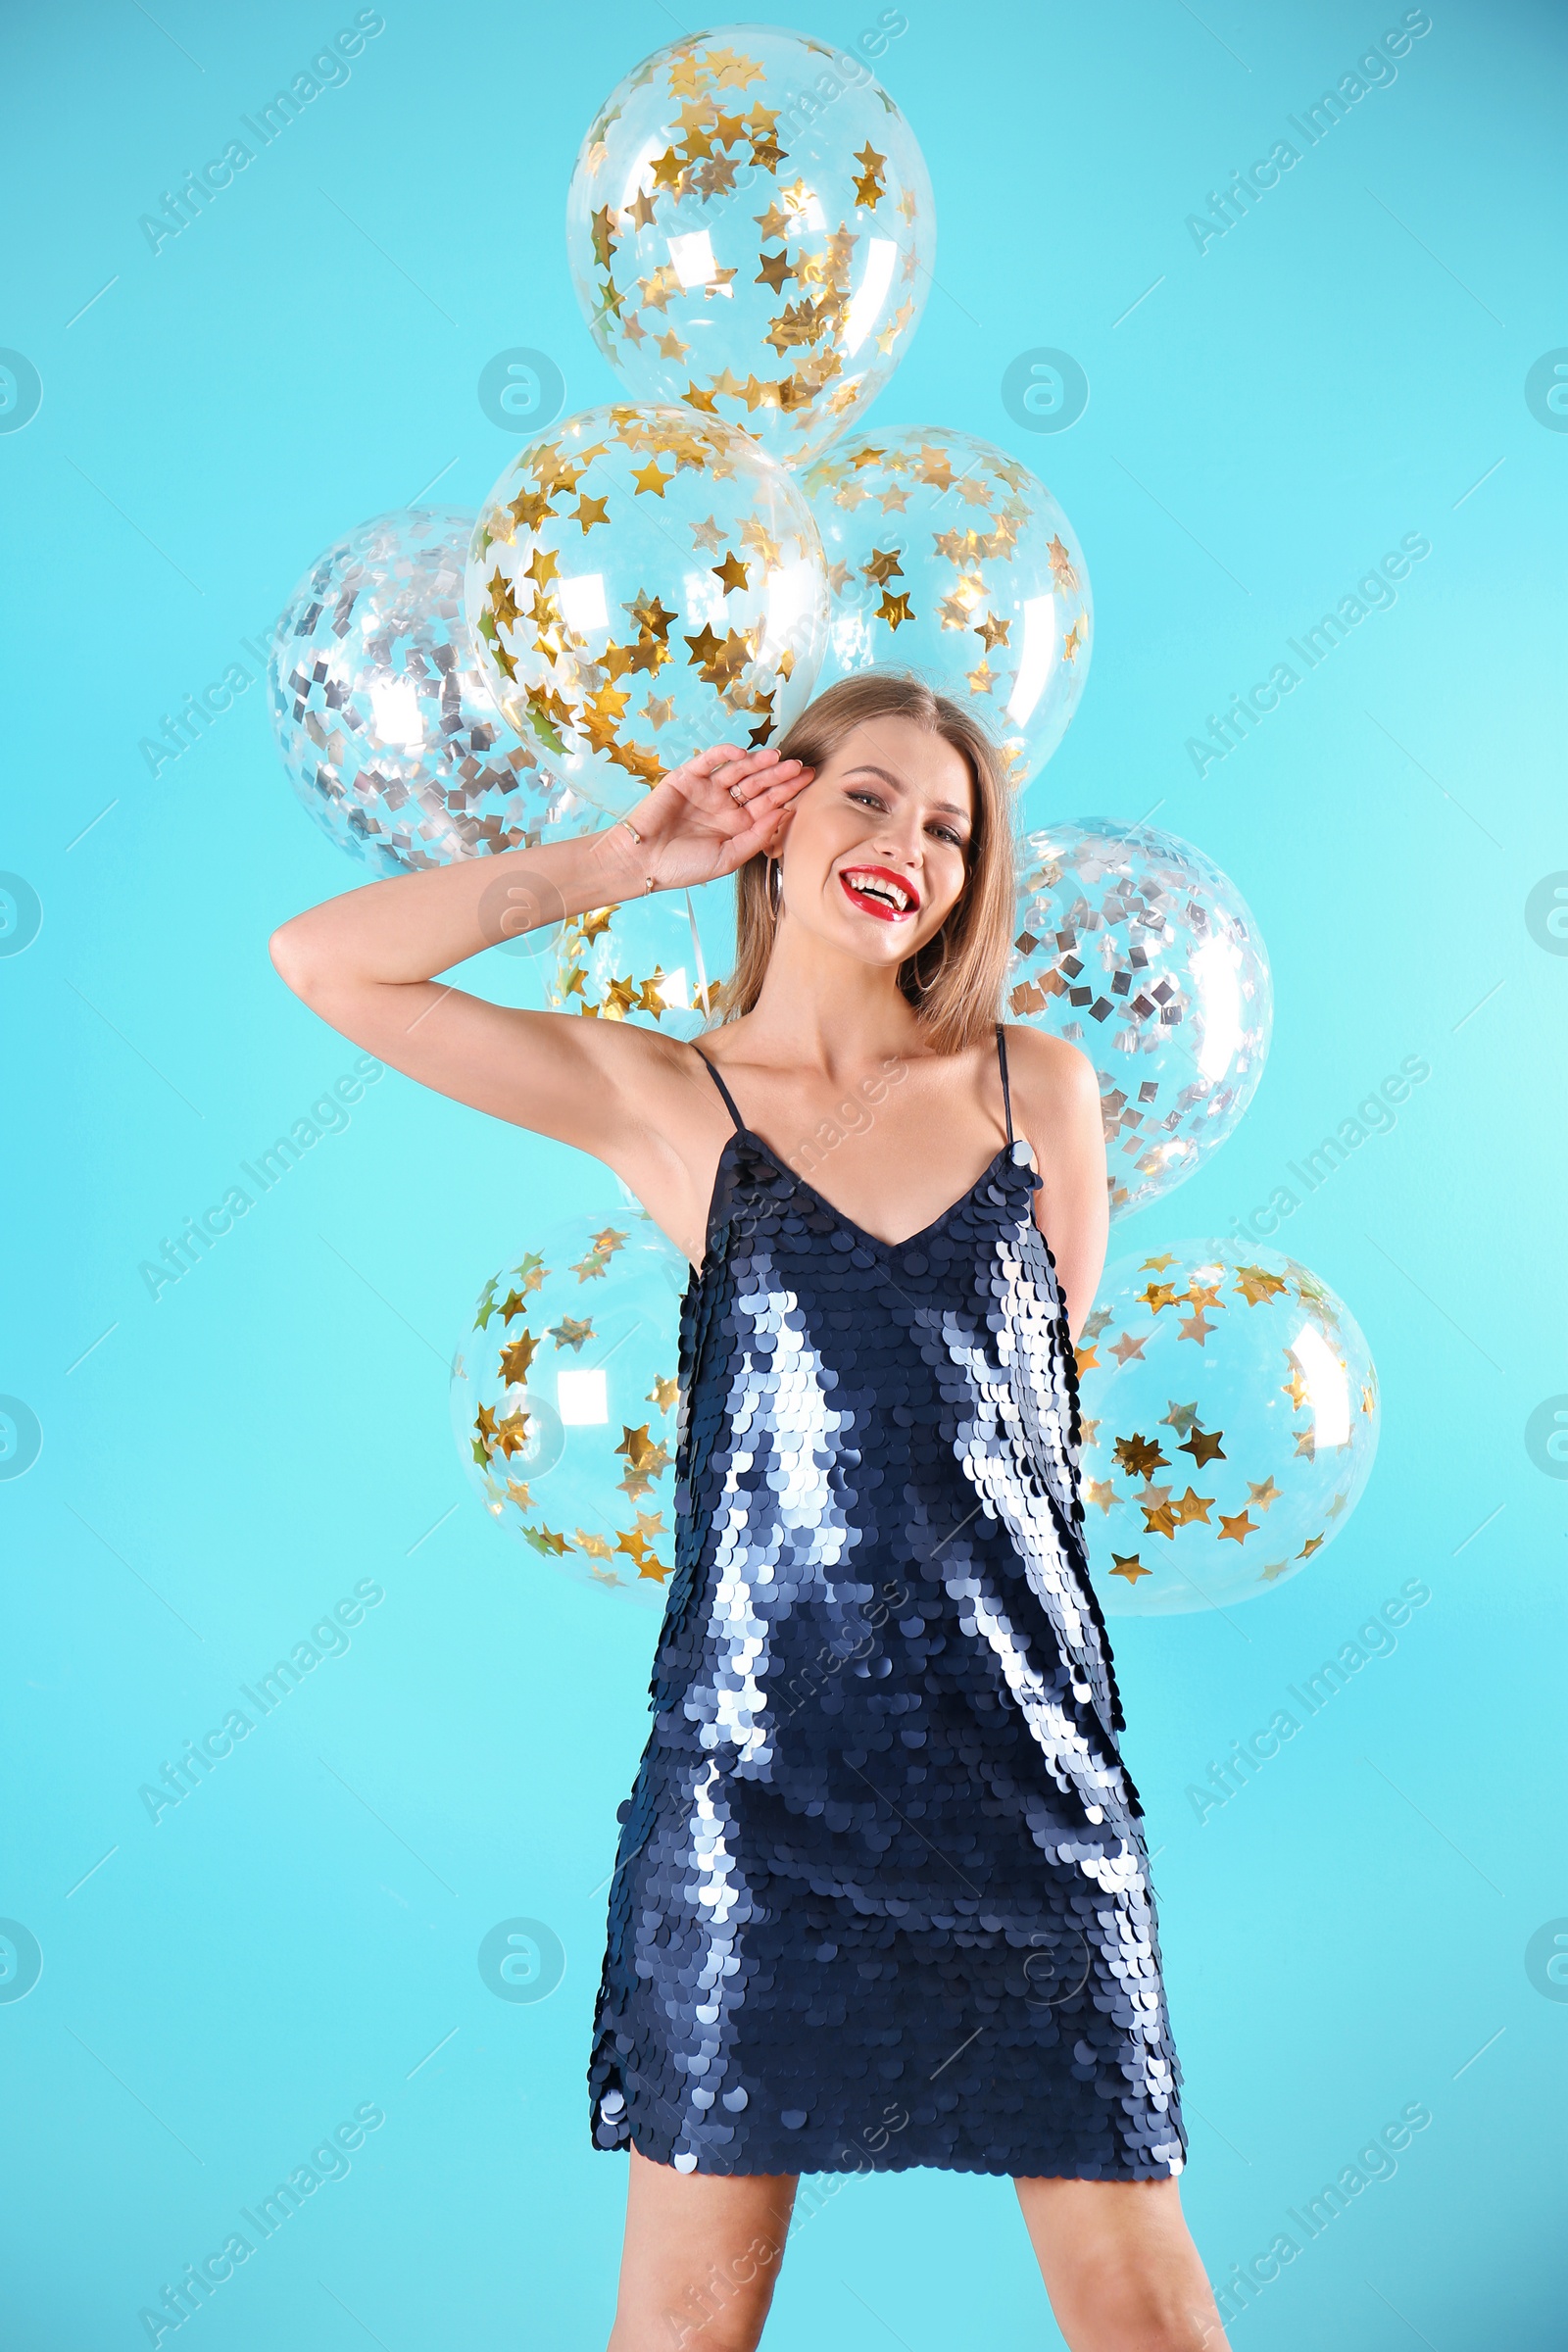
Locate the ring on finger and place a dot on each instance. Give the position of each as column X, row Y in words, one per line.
column 736, row 793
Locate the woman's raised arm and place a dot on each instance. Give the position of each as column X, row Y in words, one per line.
column 368, row 961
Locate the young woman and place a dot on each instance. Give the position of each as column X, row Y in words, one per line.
column 882, row 1896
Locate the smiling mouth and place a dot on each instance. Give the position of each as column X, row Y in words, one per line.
column 878, row 892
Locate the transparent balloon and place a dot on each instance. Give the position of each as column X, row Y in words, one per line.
column 564, row 1401
column 644, row 582
column 947, row 557
column 751, row 230
column 1134, row 946
column 641, row 962
column 384, row 718
column 1229, row 1413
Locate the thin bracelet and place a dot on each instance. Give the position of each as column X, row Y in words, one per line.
column 648, row 882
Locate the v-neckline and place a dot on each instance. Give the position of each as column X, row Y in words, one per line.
column 873, row 1239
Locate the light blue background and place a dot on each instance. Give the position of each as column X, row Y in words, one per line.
column 1348, row 1933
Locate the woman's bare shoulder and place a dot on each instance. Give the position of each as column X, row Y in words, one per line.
column 1050, row 1071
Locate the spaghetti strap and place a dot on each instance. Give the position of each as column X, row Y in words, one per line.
column 1002, row 1058
column 712, row 1072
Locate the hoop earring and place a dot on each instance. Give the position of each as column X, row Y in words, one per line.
column 775, row 887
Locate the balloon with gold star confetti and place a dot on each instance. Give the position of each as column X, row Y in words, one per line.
column 384, row 718
column 1228, row 1409
column 564, row 1401
column 947, row 556
column 1137, row 948
column 645, row 582
column 641, row 962
column 751, row 232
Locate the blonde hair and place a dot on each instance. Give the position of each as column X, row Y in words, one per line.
column 953, row 981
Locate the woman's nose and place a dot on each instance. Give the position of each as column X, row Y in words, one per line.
column 900, row 836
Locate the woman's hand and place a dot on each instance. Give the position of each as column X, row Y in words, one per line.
column 710, row 816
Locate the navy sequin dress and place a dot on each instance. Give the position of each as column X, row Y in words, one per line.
column 881, row 1895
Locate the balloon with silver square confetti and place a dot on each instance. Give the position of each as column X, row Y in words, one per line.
column 1138, row 950
column 383, row 717
column 1228, row 1411
column 564, row 1401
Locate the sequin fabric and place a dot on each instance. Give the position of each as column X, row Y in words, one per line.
column 881, row 1896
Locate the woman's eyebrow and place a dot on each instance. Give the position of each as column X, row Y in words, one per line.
column 866, row 769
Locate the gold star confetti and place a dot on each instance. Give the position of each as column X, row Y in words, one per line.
column 894, row 609
column 1180, row 1418
column 1236, row 1530
column 1204, row 1446
column 1255, row 1284
column 1137, row 1455
column 1129, row 1566
column 1101, row 1493
column 883, row 566
column 1129, row 1346
column 1189, row 1506
column 515, row 1359
column 569, row 1333
column 664, row 1393
column 543, row 1540
column 1260, row 1497
column 511, row 1433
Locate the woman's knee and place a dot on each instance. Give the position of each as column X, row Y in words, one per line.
column 722, row 2308
column 1137, row 2307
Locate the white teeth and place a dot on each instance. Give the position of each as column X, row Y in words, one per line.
column 874, row 887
